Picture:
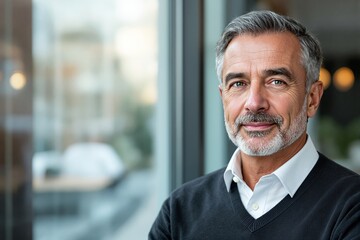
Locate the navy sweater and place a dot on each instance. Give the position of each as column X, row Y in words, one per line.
column 326, row 206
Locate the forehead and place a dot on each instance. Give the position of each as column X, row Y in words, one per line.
column 263, row 49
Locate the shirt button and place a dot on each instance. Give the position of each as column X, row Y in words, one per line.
column 255, row 206
column 236, row 179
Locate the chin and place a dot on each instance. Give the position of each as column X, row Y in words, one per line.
column 260, row 146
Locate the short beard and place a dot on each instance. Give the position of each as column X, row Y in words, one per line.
column 265, row 148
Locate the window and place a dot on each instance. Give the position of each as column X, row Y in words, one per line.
column 95, row 70
column 78, row 96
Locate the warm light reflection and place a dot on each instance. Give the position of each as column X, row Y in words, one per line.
column 18, row 81
column 131, row 42
column 344, row 79
column 325, row 77
column 128, row 11
column 149, row 95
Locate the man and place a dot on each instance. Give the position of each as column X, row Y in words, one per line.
column 276, row 185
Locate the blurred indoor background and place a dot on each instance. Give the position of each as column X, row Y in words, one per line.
column 108, row 105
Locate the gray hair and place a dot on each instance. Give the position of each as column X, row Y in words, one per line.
column 258, row 22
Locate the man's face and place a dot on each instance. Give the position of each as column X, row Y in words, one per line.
column 263, row 92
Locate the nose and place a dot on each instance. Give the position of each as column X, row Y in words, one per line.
column 256, row 100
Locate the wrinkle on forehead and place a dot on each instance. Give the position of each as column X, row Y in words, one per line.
column 262, row 51
column 269, row 42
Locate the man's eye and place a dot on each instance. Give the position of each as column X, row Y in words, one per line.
column 277, row 82
column 238, row 84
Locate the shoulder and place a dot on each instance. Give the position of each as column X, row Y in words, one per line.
column 337, row 179
column 335, row 170
column 209, row 178
column 210, row 183
column 342, row 192
column 190, row 206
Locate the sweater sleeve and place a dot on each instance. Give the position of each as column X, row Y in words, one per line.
column 349, row 225
column 160, row 229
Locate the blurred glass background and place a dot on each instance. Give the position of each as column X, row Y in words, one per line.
column 95, row 71
column 107, row 106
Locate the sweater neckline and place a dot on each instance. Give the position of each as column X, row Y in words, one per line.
column 254, row 224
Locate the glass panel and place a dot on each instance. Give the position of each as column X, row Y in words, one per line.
column 338, row 121
column 215, row 134
column 95, row 70
column 15, row 120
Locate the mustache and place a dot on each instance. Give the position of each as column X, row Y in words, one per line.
column 258, row 117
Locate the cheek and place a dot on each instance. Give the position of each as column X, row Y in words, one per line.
column 287, row 107
column 232, row 108
column 290, row 110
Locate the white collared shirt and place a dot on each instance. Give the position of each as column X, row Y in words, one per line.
column 272, row 188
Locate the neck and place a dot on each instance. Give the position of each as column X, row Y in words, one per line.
column 254, row 167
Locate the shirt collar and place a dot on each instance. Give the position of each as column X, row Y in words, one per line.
column 233, row 169
column 291, row 174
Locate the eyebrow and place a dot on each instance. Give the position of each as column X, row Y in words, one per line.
column 278, row 71
column 266, row 73
column 233, row 75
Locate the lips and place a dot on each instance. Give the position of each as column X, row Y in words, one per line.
column 258, row 126
column 257, row 122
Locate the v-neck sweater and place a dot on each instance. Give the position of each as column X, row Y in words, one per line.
column 326, row 206
column 273, row 187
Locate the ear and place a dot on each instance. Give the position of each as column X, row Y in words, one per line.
column 314, row 97
column 220, row 90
